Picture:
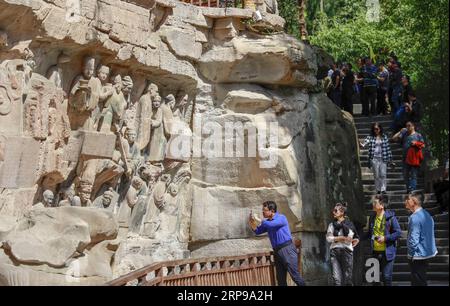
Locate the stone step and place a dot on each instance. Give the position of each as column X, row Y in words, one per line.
column 379, row 118
column 364, row 128
column 392, row 187
column 389, row 175
column 440, row 242
column 432, row 267
column 441, row 218
column 399, row 197
column 392, row 181
column 396, row 158
column 404, row 219
column 432, row 276
column 397, row 170
column 401, row 205
column 403, row 212
column 364, row 161
column 442, row 259
column 443, row 283
column 442, row 250
column 395, row 148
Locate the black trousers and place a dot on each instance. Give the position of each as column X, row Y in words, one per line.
column 286, row 261
column 347, row 100
column 381, row 101
column 418, row 272
column 370, row 97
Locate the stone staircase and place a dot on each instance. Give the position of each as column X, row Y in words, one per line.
column 438, row 271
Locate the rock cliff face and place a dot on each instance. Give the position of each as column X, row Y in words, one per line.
column 139, row 131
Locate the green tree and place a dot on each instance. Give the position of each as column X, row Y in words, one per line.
column 415, row 30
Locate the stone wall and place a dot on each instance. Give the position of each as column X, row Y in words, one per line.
column 113, row 135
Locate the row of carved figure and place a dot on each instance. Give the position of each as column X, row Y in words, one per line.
column 140, row 179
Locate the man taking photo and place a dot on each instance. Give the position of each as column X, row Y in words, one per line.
column 285, row 253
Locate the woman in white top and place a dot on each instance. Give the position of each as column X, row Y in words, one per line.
column 343, row 237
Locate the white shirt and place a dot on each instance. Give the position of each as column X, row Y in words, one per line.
column 331, row 238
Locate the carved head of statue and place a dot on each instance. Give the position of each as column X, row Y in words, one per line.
column 117, row 82
column 107, row 197
column 184, row 101
column 68, row 193
column 156, row 102
column 88, row 67
column 130, row 135
column 152, row 89
column 170, row 101
column 103, row 73
column 84, row 192
column 127, row 84
column 137, row 183
column 47, row 198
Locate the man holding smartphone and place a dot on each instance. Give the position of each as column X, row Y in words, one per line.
column 285, row 253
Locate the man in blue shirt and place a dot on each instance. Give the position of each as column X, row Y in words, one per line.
column 369, row 74
column 285, row 253
column 421, row 242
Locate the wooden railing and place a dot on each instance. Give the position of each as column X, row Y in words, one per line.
column 245, row 270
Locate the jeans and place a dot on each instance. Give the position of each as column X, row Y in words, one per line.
column 386, row 267
column 342, row 266
column 410, row 176
column 379, row 169
column 418, row 272
column 370, row 97
column 286, row 261
column 396, row 98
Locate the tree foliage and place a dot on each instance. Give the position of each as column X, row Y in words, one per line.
column 414, row 30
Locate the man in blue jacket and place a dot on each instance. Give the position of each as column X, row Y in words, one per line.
column 421, row 242
column 285, row 253
column 384, row 231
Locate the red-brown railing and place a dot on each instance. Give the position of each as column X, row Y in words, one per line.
column 216, row 3
column 245, row 270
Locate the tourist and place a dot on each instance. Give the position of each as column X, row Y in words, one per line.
column 348, row 88
column 370, row 82
column 400, row 118
column 328, row 83
column 336, row 80
column 421, row 243
column 384, row 232
column 380, row 155
column 406, row 88
column 285, row 253
column 395, row 84
column 343, row 237
column 382, row 89
column 415, row 107
column 413, row 144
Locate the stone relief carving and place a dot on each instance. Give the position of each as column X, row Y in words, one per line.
column 138, row 181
